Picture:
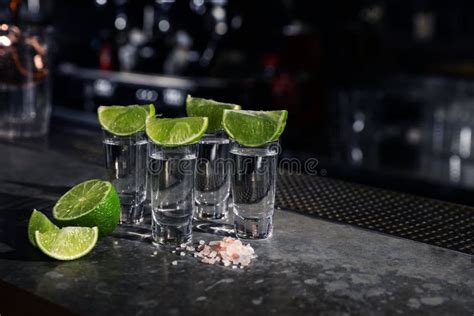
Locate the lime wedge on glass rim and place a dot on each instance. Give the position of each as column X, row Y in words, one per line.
column 124, row 120
column 173, row 132
column 68, row 243
column 90, row 203
column 211, row 109
column 39, row 222
column 254, row 128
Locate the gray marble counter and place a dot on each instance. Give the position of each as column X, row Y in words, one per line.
column 310, row 266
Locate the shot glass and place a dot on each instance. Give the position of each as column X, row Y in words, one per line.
column 253, row 189
column 125, row 162
column 171, row 172
column 212, row 181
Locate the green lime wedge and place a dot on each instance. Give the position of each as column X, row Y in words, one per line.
column 123, row 120
column 176, row 131
column 90, row 203
column 211, row 109
column 68, row 243
column 39, row 222
column 254, row 128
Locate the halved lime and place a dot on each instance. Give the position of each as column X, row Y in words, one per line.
column 172, row 132
column 211, row 109
column 68, row 243
column 123, row 120
column 39, row 222
column 90, row 203
column 254, row 128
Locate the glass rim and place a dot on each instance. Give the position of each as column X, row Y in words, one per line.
column 104, row 131
column 151, row 142
column 234, row 142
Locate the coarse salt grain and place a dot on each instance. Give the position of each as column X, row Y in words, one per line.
column 228, row 251
column 175, row 263
column 182, row 254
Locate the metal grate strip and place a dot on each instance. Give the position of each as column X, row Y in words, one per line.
column 434, row 222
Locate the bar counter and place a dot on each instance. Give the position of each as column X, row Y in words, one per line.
column 309, row 266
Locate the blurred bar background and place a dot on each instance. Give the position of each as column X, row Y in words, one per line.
column 380, row 92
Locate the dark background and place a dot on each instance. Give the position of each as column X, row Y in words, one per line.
column 380, row 92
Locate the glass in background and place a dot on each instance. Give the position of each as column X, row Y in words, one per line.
column 25, row 102
column 453, row 136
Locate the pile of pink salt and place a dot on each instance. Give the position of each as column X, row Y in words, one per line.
column 229, row 251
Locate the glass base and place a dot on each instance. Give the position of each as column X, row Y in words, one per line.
column 211, row 212
column 253, row 228
column 132, row 214
column 167, row 236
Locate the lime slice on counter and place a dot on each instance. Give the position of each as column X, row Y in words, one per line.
column 211, row 109
column 39, row 222
column 254, row 128
column 90, row 203
column 123, row 120
column 172, row 132
column 68, row 243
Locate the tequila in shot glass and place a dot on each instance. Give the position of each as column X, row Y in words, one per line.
column 125, row 162
column 125, row 146
column 172, row 155
column 212, row 183
column 253, row 189
column 171, row 172
column 254, row 154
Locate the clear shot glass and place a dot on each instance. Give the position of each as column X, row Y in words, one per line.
column 253, row 188
column 212, row 181
column 171, row 173
column 125, row 162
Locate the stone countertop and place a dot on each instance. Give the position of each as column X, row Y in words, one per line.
column 309, row 266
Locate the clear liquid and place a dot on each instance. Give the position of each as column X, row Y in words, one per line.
column 172, row 196
column 125, row 163
column 212, row 182
column 253, row 191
